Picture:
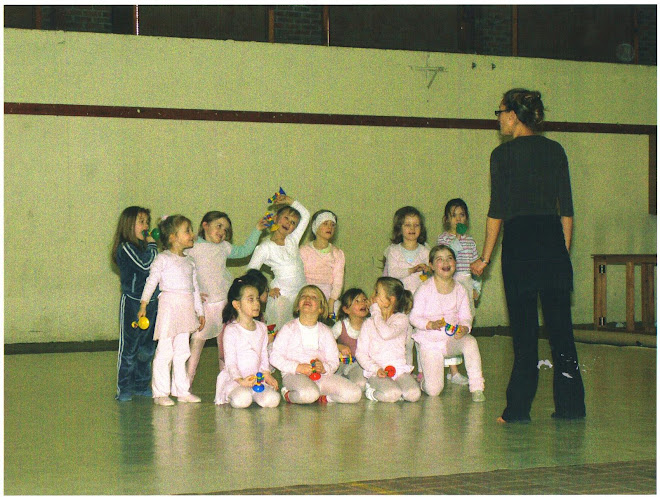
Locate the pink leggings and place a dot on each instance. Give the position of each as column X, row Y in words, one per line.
column 302, row 390
column 433, row 363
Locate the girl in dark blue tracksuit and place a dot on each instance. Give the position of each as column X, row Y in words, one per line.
column 133, row 251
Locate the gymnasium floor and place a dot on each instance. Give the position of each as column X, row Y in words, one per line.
column 65, row 434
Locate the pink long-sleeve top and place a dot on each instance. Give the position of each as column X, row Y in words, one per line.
column 397, row 266
column 383, row 343
column 175, row 274
column 290, row 348
column 431, row 305
column 324, row 269
column 245, row 350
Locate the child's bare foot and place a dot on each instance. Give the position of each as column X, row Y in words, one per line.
column 500, row 420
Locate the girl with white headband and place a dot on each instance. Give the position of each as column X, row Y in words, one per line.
column 323, row 262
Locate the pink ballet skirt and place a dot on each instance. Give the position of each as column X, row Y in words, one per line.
column 176, row 314
column 214, row 324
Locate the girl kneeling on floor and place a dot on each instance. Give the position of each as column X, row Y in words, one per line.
column 304, row 341
column 442, row 320
column 245, row 340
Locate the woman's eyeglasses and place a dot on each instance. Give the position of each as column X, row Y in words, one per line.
column 498, row 112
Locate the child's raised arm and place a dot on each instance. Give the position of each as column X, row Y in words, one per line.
column 393, row 327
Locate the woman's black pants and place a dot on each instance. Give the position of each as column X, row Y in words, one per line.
column 535, row 265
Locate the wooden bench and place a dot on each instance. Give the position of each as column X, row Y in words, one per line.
column 647, row 262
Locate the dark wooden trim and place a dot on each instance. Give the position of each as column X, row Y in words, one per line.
column 653, row 174
column 326, row 24
column 38, row 17
column 303, row 118
column 271, row 24
column 514, row 31
column 135, row 28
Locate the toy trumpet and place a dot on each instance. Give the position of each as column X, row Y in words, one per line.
column 154, row 233
column 390, row 370
column 142, row 323
column 259, row 387
column 315, row 375
column 276, row 195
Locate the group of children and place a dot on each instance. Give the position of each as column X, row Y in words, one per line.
column 187, row 295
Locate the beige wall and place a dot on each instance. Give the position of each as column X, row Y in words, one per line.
column 67, row 179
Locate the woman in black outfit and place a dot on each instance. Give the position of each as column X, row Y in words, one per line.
column 531, row 199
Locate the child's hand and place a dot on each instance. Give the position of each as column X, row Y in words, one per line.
column 460, row 332
column 475, row 295
column 283, row 199
column 438, row 324
column 143, row 310
column 270, row 380
column 344, row 350
column 247, row 382
column 202, row 322
column 274, row 293
column 304, row 368
column 262, row 223
column 417, row 269
column 320, row 368
column 381, row 373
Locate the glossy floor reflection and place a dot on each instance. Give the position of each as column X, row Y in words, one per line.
column 65, row 433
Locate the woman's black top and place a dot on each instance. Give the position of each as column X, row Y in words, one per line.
column 529, row 177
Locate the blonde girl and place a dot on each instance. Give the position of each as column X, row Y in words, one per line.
column 180, row 311
column 245, row 342
column 282, row 254
column 442, row 320
column 133, row 252
column 324, row 262
column 210, row 254
column 353, row 311
column 382, row 343
column 305, row 340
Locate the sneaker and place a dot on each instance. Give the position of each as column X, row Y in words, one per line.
column 124, row 397
column 459, row 379
column 478, row 396
column 190, row 398
column 163, row 401
column 285, row 394
column 145, row 393
column 369, row 393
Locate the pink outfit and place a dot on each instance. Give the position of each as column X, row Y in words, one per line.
column 383, row 343
column 297, row 344
column 324, row 269
column 245, row 355
column 397, row 266
column 179, row 305
column 434, row 345
column 214, row 280
column 288, row 350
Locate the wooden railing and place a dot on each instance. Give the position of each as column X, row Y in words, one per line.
column 647, row 263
